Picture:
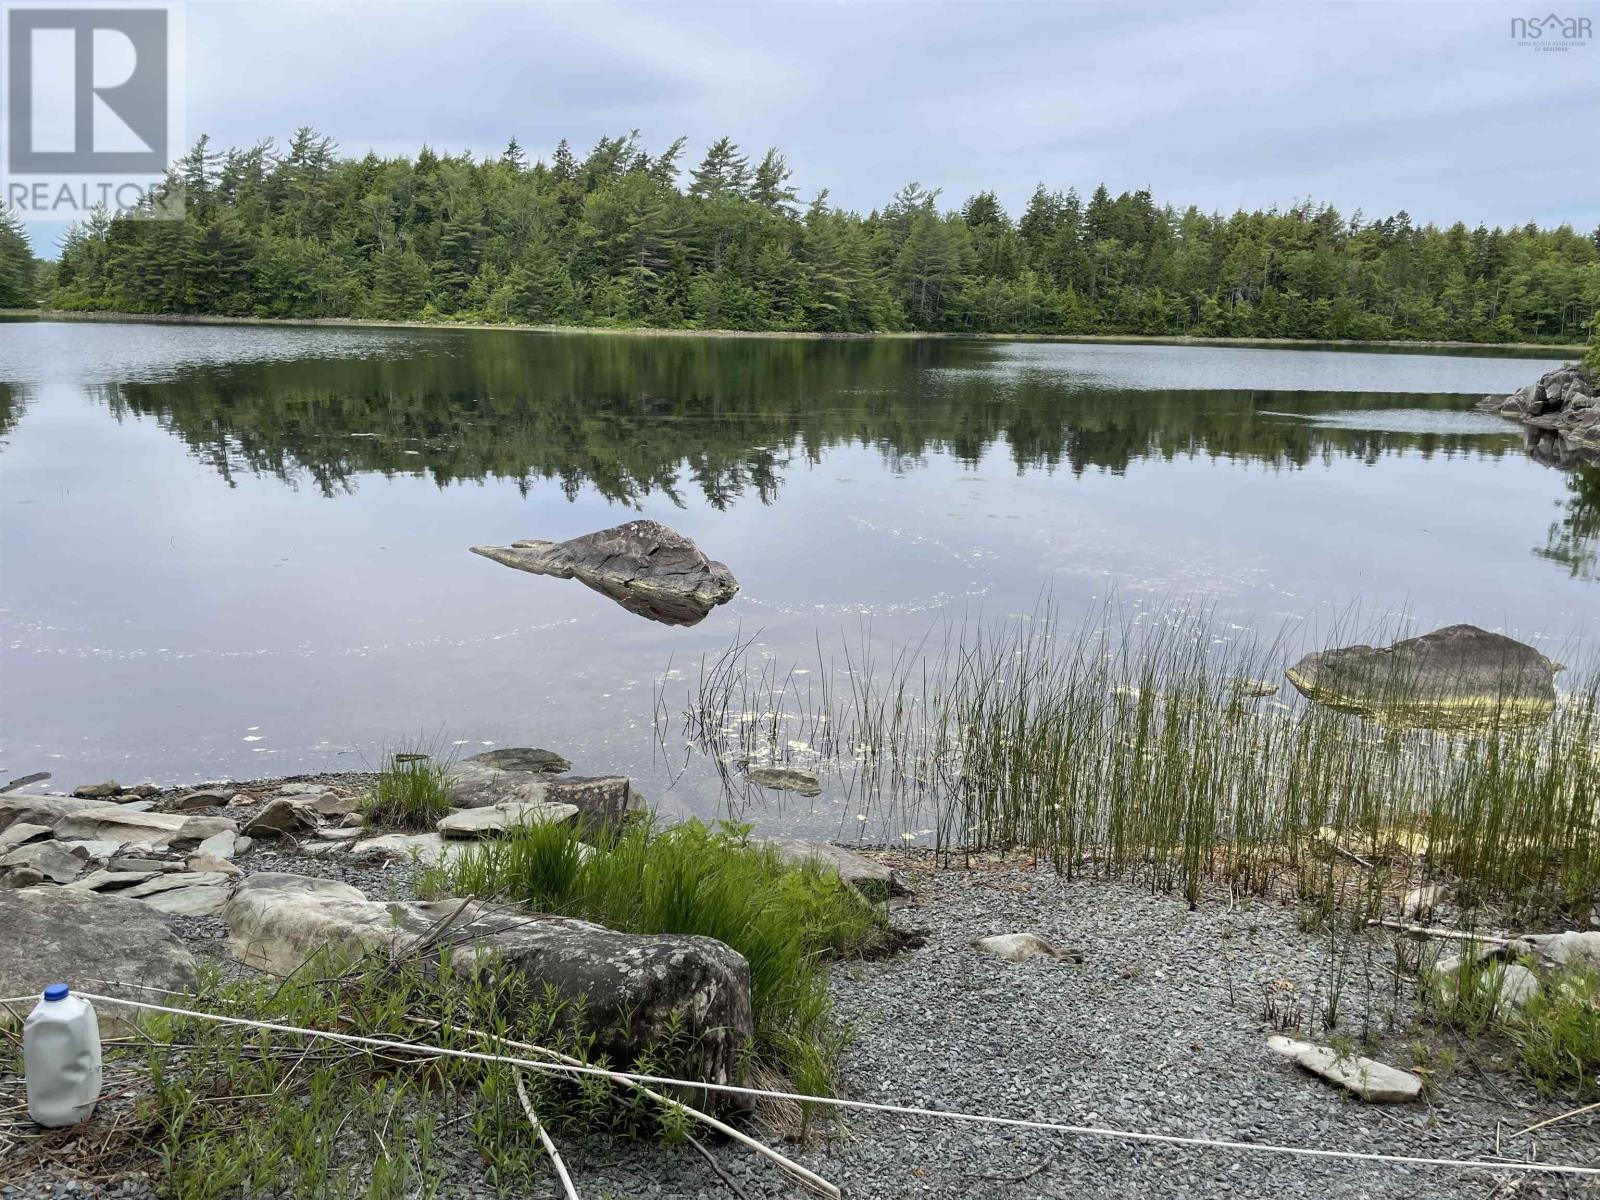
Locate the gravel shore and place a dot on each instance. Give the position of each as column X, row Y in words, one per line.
column 1161, row 1028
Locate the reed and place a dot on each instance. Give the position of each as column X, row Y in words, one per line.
column 1143, row 745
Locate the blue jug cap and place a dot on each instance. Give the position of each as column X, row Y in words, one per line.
column 56, row 991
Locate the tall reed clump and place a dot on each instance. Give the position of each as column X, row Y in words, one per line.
column 411, row 792
column 786, row 921
column 1161, row 745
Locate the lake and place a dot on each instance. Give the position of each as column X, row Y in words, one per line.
column 242, row 552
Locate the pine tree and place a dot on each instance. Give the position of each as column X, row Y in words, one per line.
column 770, row 185
column 16, row 263
column 722, row 173
column 563, row 166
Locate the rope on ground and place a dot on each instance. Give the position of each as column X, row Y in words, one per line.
column 545, row 1139
column 904, row 1110
column 806, row 1177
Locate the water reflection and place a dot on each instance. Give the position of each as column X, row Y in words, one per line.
column 1574, row 538
column 634, row 418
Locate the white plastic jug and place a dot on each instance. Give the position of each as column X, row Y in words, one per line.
column 61, row 1058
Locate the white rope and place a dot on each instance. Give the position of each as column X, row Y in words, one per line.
column 906, row 1110
column 567, row 1188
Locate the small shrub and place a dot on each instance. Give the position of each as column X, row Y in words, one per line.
column 1557, row 1035
column 412, row 792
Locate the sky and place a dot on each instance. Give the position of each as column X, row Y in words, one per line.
column 1375, row 105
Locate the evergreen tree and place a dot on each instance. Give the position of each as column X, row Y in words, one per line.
column 724, row 172
column 307, row 233
column 770, row 185
column 16, row 263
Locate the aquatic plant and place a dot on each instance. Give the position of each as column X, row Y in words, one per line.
column 411, row 792
column 1142, row 744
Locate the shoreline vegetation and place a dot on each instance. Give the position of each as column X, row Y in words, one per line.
column 1132, row 339
column 628, row 236
column 1161, row 746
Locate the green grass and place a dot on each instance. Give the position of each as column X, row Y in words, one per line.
column 1125, row 746
column 412, row 792
column 232, row 1112
column 689, row 879
column 1557, row 1035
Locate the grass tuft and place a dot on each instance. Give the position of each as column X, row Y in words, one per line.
column 786, row 921
column 412, row 792
column 1557, row 1035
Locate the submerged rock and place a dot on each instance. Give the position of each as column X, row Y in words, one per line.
column 785, row 779
column 1372, row 1081
column 638, row 990
column 1457, row 676
column 644, row 566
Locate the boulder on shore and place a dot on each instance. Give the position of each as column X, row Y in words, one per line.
column 511, row 775
column 637, row 989
column 105, row 944
column 872, row 879
column 1457, row 676
column 1565, row 402
column 644, row 566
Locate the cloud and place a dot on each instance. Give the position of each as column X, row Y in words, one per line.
column 1429, row 107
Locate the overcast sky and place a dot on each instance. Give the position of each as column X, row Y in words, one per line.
column 1429, row 107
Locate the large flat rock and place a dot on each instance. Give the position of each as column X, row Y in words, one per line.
column 507, row 776
column 871, row 878
column 102, row 944
column 494, row 821
column 72, row 818
column 634, row 987
column 425, row 848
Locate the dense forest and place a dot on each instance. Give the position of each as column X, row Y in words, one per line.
column 622, row 236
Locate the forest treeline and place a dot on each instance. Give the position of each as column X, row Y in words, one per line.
column 623, row 236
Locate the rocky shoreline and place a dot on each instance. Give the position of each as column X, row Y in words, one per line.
column 1024, row 994
column 1561, row 413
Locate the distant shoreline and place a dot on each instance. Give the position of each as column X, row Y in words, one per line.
column 1555, row 348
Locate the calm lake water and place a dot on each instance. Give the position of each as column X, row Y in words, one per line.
column 243, row 552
